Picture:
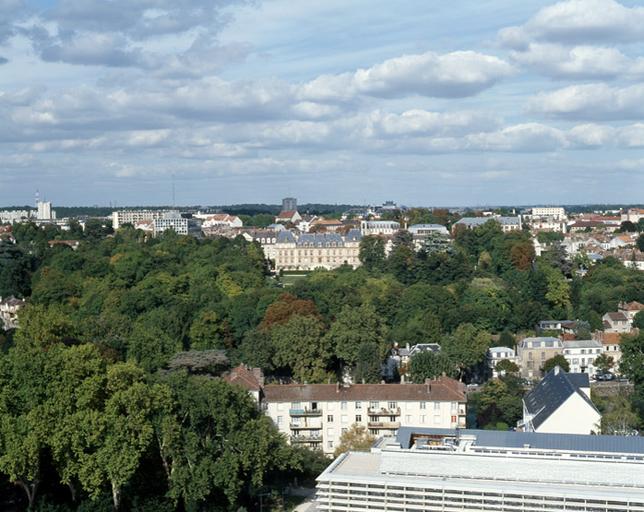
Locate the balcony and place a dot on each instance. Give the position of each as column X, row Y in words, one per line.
column 384, row 412
column 306, row 439
column 302, row 426
column 384, row 424
column 305, row 412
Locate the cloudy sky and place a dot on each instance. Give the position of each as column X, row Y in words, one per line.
column 425, row 102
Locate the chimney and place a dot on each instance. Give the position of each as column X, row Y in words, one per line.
column 337, row 387
column 557, row 370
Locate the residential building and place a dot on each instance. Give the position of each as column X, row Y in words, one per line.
column 9, row 308
column 322, row 225
column 308, row 251
column 581, row 355
column 379, row 227
column 251, row 379
column 630, row 309
column 420, row 230
column 316, row 415
column 462, row 470
column 170, row 220
column 121, row 217
column 15, row 216
column 288, row 216
column 400, row 358
column 616, row 322
column 555, row 212
column 44, row 211
column 497, row 354
column 532, row 353
column 633, row 215
column 266, row 238
column 507, row 223
column 561, row 404
column 611, row 344
column 221, row 220
column 562, row 326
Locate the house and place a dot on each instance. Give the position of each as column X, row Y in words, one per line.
column 222, row 220
column 633, row 215
column 320, row 224
column 630, row 309
column 316, row 415
column 532, row 353
column 581, row 354
column 267, row 238
column 9, row 308
column 288, row 216
column 560, row 404
column 562, row 326
column 611, row 345
column 616, row 322
column 497, row 354
column 251, row 379
column 400, row 358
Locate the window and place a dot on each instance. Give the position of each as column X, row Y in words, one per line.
column 392, row 405
column 454, row 406
column 437, row 419
column 358, row 405
column 374, row 405
column 329, row 418
column 330, row 432
column 329, row 444
column 344, row 418
column 437, row 406
column 423, row 405
column 343, row 406
column 296, row 405
column 279, row 421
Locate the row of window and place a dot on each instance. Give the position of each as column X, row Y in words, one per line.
column 374, row 405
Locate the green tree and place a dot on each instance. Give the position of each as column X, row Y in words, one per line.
column 355, row 439
column 632, row 362
column 640, row 242
column 207, row 331
column 368, row 367
column 301, row 348
column 558, row 360
column 604, row 363
column 638, row 320
column 466, row 348
column 352, row 328
column 507, row 367
column 372, row 253
column 500, row 402
column 429, row 365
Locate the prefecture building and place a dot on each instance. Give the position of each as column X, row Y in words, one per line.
column 451, row 470
column 316, row 415
column 308, row 251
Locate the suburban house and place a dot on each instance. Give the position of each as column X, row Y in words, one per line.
column 611, row 344
column 616, row 322
column 532, row 353
column 560, row 404
column 251, row 379
column 400, row 357
column 288, row 216
column 581, row 354
column 497, row 354
column 630, row 309
column 316, row 415
column 222, row 220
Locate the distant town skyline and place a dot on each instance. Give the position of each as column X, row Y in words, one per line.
column 239, row 101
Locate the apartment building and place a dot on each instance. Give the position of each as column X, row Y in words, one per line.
column 379, row 227
column 170, row 220
column 121, row 217
column 581, row 355
column 498, row 354
column 441, row 470
column 308, row 251
column 316, row 415
column 532, row 353
column 507, row 223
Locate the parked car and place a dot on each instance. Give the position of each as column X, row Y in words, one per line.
column 604, row 376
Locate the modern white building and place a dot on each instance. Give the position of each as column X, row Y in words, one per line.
column 561, row 404
column 442, row 470
column 170, row 220
column 121, row 217
column 581, row 355
column 379, row 227
column 44, row 211
column 316, row 415
column 15, row 216
column 556, row 212
column 507, row 223
column 497, row 354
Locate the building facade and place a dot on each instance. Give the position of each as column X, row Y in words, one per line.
column 170, row 220
column 442, row 470
column 121, row 217
column 308, row 251
column 316, row 415
column 581, row 355
column 379, row 227
column 532, row 353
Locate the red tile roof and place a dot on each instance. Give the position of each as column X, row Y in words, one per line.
column 245, row 377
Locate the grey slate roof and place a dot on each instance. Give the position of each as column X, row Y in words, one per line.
column 553, row 390
column 509, row 439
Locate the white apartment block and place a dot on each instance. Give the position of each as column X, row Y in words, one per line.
column 556, row 212
column 438, row 470
column 379, row 227
column 316, row 415
column 170, row 220
column 308, row 251
column 581, row 355
column 44, row 211
column 497, row 354
column 633, row 215
column 14, row 216
column 121, row 217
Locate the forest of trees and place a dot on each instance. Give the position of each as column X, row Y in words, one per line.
column 104, row 326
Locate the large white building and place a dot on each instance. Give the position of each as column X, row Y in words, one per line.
column 556, row 212
column 316, row 415
column 170, row 220
column 561, row 404
column 308, row 251
column 507, row 223
column 441, row 470
column 44, row 211
column 379, row 227
column 581, row 355
column 121, row 217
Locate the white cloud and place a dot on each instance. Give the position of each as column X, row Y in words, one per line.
column 579, row 21
column 592, row 102
column 578, row 62
column 527, row 137
column 422, row 122
column 452, row 75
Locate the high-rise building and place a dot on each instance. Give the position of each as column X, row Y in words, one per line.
column 432, row 470
column 44, row 211
column 289, row 204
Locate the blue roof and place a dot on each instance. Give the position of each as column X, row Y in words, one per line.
column 510, row 439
